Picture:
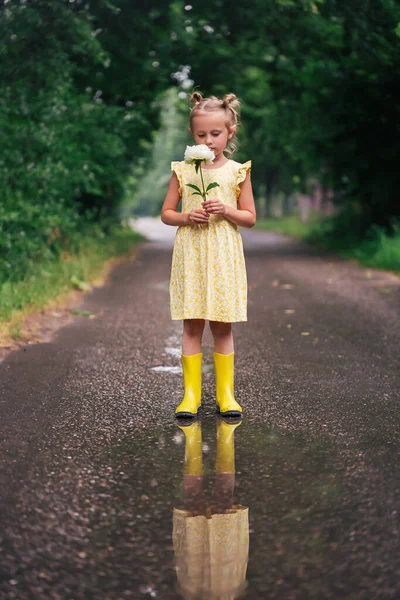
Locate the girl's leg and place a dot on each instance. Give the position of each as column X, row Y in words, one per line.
column 224, row 369
column 223, row 337
column 191, row 367
column 192, row 336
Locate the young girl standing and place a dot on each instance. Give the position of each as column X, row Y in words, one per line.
column 208, row 275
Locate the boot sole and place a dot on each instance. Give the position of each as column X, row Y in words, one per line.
column 229, row 413
column 186, row 415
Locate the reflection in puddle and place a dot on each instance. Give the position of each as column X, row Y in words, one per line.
column 176, row 352
column 210, row 539
column 167, row 369
column 172, row 501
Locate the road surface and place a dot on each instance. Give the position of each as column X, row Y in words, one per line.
column 91, row 464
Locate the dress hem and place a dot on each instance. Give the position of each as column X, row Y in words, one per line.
column 211, row 319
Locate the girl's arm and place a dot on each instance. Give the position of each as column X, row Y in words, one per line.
column 169, row 214
column 245, row 215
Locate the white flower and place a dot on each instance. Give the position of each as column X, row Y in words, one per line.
column 199, row 152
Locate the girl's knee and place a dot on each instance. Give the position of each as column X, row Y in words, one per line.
column 219, row 329
column 193, row 327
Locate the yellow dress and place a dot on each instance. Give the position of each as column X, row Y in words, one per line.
column 208, row 275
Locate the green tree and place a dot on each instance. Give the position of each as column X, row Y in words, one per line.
column 318, row 82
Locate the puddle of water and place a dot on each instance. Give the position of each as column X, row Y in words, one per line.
column 213, row 509
column 244, row 510
column 174, row 351
column 167, row 369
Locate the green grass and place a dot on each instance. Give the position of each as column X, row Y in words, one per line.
column 50, row 283
column 378, row 250
column 289, row 226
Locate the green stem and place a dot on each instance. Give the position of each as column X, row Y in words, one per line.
column 202, row 183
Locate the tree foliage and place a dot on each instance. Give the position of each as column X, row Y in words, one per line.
column 80, row 89
column 319, row 83
column 77, row 86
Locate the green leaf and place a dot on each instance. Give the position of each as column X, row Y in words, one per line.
column 211, row 186
column 197, row 194
column 194, row 187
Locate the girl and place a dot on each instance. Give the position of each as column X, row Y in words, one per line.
column 208, row 276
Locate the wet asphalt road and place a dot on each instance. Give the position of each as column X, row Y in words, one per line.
column 91, row 464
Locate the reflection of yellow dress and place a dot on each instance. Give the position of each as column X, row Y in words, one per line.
column 208, row 276
column 211, row 553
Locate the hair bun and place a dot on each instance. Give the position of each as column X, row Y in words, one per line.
column 196, row 98
column 231, row 101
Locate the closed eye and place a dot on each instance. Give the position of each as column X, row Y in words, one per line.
column 214, row 133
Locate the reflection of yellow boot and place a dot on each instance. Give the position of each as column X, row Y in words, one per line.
column 193, row 449
column 191, row 366
column 225, row 461
column 224, row 378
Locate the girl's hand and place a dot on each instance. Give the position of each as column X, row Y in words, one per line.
column 214, row 207
column 197, row 216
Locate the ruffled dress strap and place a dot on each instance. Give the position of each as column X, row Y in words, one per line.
column 242, row 174
column 176, row 167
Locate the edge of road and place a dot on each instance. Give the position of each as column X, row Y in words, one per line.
column 41, row 325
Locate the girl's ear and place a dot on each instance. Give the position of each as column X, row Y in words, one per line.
column 190, row 131
column 231, row 131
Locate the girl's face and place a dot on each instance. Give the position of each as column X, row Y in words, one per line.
column 212, row 130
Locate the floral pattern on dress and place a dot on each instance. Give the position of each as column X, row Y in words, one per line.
column 208, row 274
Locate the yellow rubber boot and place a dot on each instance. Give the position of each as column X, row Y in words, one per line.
column 191, row 366
column 225, row 461
column 224, row 378
column 193, row 449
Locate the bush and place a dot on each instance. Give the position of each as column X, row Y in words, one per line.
column 64, row 152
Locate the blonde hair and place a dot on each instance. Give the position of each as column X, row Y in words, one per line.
column 229, row 104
